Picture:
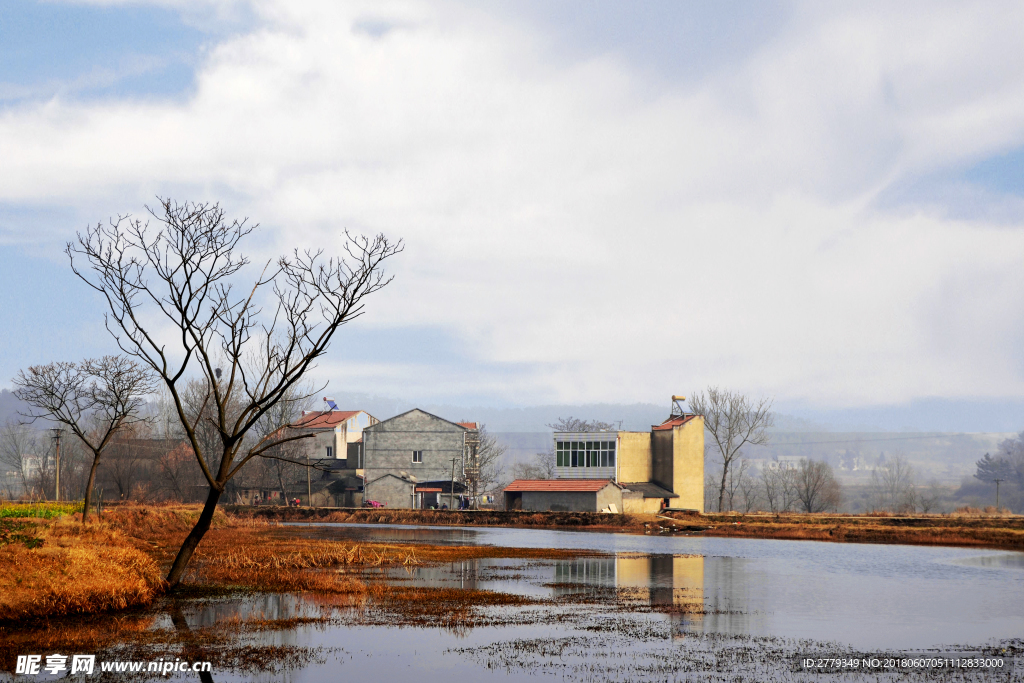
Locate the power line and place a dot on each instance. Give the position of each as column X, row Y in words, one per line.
column 818, row 443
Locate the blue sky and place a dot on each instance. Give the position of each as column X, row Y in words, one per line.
column 602, row 202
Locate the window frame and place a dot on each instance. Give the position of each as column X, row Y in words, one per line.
column 417, row 457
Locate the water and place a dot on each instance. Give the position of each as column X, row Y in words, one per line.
column 867, row 597
column 640, row 608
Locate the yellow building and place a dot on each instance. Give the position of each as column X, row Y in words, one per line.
column 663, row 468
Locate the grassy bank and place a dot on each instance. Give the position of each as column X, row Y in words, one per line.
column 974, row 529
column 595, row 521
column 962, row 530
column 54, row 567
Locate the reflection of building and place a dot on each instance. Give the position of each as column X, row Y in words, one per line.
column 668, row 583
column 649, row 470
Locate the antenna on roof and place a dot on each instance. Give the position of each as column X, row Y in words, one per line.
column 331, row 405
column 677, row 406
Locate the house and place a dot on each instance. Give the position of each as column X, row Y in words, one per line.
column 338, row 433
column 563, row 495
column 662, row 468
column 408, row 457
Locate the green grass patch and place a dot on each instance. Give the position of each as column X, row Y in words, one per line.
column 39, row 510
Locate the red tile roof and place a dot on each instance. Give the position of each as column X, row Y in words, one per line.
column 468, row 425
column 330, row 418
column 673, row 422
column 559, row 485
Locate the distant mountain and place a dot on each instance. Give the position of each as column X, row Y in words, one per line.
column 10, row 406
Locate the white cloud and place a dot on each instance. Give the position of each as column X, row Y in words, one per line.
column 589, row 238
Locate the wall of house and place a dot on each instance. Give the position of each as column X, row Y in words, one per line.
column 392, row 491
column 634, row 456
column 688, row 465
column 609, row 495
column 388, row 447
column 632, row 502
column 560, row 501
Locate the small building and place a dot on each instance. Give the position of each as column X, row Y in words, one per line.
column 662, row 468
column 409, row 451
column 563, row 495
column 338, row 433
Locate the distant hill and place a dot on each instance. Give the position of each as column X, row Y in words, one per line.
column 10, row 406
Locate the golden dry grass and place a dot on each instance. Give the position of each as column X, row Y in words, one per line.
column 964, row 529
column 76, row 570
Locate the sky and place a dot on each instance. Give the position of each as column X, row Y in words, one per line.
column 601, row 202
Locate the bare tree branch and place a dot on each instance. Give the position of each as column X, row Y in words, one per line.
column 184, row 270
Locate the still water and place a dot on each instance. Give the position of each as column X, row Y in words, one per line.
column 868, row 597
column 657, row 608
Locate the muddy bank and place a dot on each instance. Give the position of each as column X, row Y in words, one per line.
column 1000, row 532
column 511, row 518
column 1004, row 533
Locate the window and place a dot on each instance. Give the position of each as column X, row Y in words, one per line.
column 417, row 456
column 585, row 454
column 330, row 452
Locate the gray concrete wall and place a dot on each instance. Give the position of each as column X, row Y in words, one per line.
column 560, row 501
column 388, row 448
column 392, row 491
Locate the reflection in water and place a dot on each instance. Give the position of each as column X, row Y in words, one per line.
column 673, row 584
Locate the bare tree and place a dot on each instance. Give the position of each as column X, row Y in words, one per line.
column 18, row 444
column 733, row 421
column 892, row 485
column 575, row 424
column 484, row 476
column 816, row 486
column 95, row 399
column 281, row 466
column 778, row 486
column 182, row 274
column 541, row 466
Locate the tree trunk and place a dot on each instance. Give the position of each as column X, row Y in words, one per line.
column 721, row 489
column 193, row 538
column 88, row 487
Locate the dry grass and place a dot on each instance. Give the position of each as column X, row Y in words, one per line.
column 75, row 570
column 515, row 518
column 965, row 529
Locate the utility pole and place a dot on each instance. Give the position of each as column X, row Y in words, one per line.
column 57, row 432
column 451, row 491
column 997, row 481
column 309, row 485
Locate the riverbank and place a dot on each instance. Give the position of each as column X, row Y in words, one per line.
column 1002, row 532
column 978, row 530
column 58, row 567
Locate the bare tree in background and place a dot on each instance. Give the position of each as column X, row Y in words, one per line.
column 483, row 472
column 94, row 399
column 893, row 486
column 575, row 424
column 541, row 466
column 18, row 443
column 779, row 488
column 182, row 274
column 733, row 421
column 816, row 486
column 281, row 465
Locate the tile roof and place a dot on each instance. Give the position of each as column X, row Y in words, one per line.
column 468, row 425
column 588, row 485
column 673, row 422
column 329, row 418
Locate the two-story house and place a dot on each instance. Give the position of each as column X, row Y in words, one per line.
column 410, row 460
